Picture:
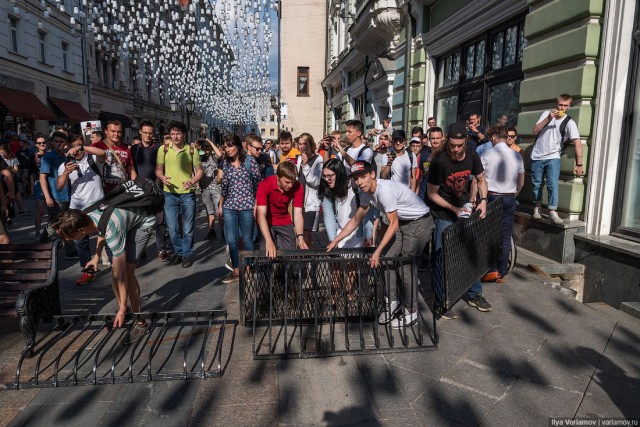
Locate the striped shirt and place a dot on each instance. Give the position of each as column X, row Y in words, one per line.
column 121, row 222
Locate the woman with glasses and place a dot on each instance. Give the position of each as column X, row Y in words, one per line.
column 240, row 178
column 309, row 177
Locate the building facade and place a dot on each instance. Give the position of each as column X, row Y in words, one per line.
column 42, row 67
column 302, row 66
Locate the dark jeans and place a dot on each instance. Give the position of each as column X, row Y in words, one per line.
column 184, row 204
column 508, row 215
column 160, row 231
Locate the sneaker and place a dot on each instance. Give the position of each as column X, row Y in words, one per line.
column 480, row 303
column 162, row 256
column 85, row 278
column 211, row 235
column 230, row 278
column 491, row 276
column 408, row 319
column 229, row 266
column 441, row 313
column 175, row 259
column 555, row 218
column 137, row 332
column 391, row 310
column 536, row 213
column 186, row 262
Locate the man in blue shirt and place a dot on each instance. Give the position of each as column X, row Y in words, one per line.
column 57, row 200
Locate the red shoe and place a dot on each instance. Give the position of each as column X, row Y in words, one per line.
column 85, row 278
column 491, row 276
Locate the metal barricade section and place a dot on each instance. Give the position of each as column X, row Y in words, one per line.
column 86, row 350
column 315, row 304
column 470, row 247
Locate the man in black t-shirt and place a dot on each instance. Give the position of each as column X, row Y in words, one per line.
column 144, row 161
column 448, row 195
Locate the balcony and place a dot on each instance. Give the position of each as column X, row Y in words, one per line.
column 377, row 26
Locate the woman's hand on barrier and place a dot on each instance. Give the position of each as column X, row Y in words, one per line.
column 331, row 245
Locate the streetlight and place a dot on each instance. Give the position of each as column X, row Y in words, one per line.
column 189, row 107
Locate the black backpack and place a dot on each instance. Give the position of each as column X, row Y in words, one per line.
column 138, row 193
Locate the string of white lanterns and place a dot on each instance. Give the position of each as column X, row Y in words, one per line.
column 215, row 52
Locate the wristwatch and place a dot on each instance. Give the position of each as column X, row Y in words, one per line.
column 299, row 235
column 484, row 198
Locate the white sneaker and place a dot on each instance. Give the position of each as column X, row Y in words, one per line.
column 229, row 266
column 407, row 319
column 555, row 218
column 390, row 311
column 536, row 213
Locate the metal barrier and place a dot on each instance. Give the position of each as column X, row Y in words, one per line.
column 470, row 248
column 85, row 350
column 314, row 303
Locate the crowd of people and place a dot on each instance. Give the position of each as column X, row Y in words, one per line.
column 377, row 188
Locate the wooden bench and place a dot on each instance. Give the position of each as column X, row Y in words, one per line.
column 29, row 285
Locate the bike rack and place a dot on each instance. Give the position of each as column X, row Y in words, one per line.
column 86, row 350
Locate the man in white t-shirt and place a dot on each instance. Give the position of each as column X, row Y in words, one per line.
column 552, row 130
column 409, row 231
column 402, row 164
column 83, row 170
column 357, row 150
column 504, row 171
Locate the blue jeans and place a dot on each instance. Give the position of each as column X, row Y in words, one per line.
column 84, row 253
column 238, row 224
column 329, row 216
column 508, row 214
column 549, row 170
column 184, row 204
column 437, row 276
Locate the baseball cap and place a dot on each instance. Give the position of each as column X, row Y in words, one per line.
column 457, row 131
column 399, row 134
column 360, row 167
column 415, row 139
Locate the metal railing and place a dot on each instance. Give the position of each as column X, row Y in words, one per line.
column 86, row 350
column 314, row 304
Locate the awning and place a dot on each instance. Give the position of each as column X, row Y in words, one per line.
column 105, row 116
column 24, row 104
column 73, row 111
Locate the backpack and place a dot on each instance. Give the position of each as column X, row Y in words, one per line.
column 137, row 193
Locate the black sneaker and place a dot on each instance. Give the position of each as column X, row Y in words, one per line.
column 441, row 313
column 211, row 235
column 175, row 259
column 186, row 262
column 480, row 303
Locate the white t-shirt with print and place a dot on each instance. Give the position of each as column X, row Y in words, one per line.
column 361, row 153
column 391, row 196
column 548, row 145
column 86, row 186
column 401, row 168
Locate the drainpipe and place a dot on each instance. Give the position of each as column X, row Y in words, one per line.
column 407, row 68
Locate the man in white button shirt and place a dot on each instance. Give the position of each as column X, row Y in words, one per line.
column 504, row 171
column 409, row 231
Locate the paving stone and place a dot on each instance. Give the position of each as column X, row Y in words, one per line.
column 178, row 417
column 61, row 415
column 611, row 396
column 529, row 403
column 622, row 354
column 431, row 364
column 469, row 374
column 444, row 403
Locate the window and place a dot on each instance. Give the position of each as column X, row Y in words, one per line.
column 303, row 81
column 262, row 131
column 105, row 71
column 358, row 108
column 65, row 56
column 447, row 111
column 474, row 60
column 449, row 70
column 42, row 39
column 271, row 132
column 114, row 74
column 504, row 99
column 13, row 34
column 507, row 46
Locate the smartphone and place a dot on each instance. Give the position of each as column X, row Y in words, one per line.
column 89, row 270
column 71, row 159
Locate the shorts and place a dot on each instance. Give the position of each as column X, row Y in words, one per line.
column 37, row 191
column 136, row 243
column 210, row 200
column 311, row 220
column 284, row 237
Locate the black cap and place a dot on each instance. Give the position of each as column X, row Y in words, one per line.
column 360, row 167
column 457, row 131
column 398, row 134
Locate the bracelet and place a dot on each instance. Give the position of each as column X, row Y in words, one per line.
column 484, row 198
column 579, row 165
column 299, row 235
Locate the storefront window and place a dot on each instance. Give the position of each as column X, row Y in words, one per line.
column 504, row 99
column 447, row 111
column 630, row 215
column 449, row 70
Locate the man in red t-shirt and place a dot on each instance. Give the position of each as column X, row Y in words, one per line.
column 275, row 194
column 118, row 166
